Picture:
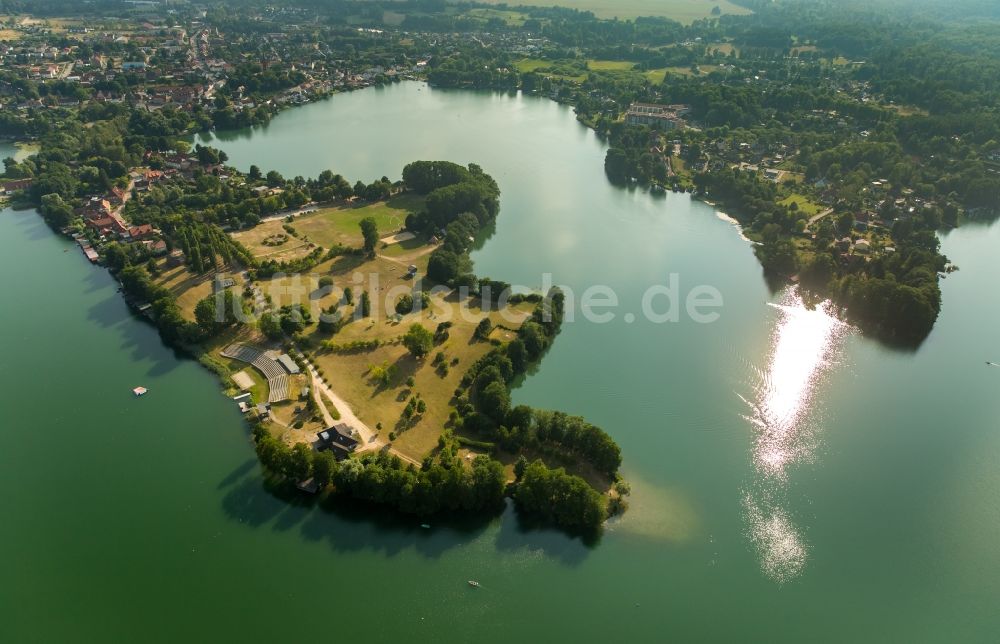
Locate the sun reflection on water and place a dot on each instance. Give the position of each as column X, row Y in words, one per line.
column 804, row 344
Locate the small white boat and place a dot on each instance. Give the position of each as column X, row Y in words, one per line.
column 425, row 526
column 474, row 584
column 139, row 391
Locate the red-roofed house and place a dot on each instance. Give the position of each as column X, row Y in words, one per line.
column 138, row 232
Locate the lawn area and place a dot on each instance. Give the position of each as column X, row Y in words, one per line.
column 610, row 65
column 350, row 374
column 255, row 237
column 341, row 225
column 656, row 76
column 326, row 227
column 687, row 71
column 531, row 64
column 685, row 11
column 405, row 249
column 9, row 35
column 723, row 48
column 259, row 389
column 806, row 206
column 188, row 287
column 572, row 70
column 348, row 270
column 908, row 110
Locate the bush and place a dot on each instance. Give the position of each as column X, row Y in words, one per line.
column 483, row 445
column 405, row 304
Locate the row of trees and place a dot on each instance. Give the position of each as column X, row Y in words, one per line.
column 384, row 479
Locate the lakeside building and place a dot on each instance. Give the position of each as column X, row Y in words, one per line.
column 286, row 361
column 338, row 439
column 664, row 117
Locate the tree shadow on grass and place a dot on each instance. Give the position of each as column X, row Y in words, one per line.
column 345, row 263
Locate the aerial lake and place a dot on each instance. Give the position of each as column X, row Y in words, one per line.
column 792, row 480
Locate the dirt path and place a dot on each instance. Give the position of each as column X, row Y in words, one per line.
column 815, row 218
column 407, row 259
column 369, row 439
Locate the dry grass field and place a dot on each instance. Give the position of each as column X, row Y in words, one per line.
column 684, row 11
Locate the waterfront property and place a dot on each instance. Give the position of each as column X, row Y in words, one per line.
column 243, row 380
column 663, row 117
column 338, row 439
column 277, row 378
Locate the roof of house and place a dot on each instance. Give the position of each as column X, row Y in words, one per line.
column 286, row 361
column 337, row 435
column 140, row 230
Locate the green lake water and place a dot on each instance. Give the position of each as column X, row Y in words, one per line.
column 792, row 480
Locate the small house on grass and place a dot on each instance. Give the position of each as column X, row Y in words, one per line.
column 337, row 439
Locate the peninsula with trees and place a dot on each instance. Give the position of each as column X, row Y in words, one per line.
column 371, row 282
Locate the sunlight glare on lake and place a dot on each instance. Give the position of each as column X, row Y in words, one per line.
column 804, row 344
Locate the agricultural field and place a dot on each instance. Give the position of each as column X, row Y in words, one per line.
column 684, row 11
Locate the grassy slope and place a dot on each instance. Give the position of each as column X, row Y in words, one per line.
column 340, row 225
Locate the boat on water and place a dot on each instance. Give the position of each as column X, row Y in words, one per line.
column 139, row 391
column 425, row 526
column 473, row 583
